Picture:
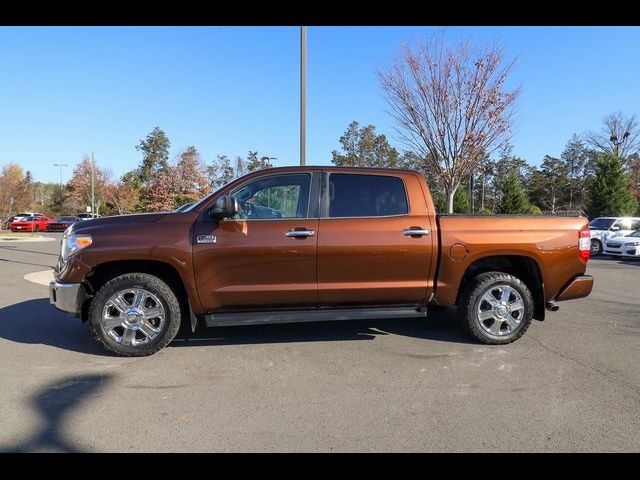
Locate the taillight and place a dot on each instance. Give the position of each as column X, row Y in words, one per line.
column 584, row 243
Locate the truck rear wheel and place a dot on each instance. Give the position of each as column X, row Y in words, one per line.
column 134, row 315
column 497, row 308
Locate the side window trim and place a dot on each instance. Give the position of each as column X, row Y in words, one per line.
column 325, row 201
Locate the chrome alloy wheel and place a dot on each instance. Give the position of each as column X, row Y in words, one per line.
column 133, row 317
column 500, row 310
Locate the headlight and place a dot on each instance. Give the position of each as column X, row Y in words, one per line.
column 72, row 243
column 632, row 244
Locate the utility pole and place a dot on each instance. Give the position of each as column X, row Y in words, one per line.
column 60, row 165
column 303, row 96
column 93, row 176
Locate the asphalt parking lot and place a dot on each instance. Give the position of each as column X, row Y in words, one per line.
column 572, row 383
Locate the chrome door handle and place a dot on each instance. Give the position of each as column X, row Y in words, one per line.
column 300, row 233
column 415, row 232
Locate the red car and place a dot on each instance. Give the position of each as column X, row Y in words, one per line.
column 61, row 224
column 30, row 224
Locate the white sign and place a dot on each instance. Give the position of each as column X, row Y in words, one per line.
column 88, row 209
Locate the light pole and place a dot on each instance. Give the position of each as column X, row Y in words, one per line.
column 616, row 143
column 60, row 165
column 93, row 177
column 303, row 96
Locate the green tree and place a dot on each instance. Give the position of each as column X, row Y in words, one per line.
column 497, row 171
column 461, row 200
column 577, row 164
column 155, row 154
column 548, row 185
column 257, row 163
column 514, row 199
column 610, row 193
column 361, row 147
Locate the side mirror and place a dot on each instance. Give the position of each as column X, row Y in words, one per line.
column 614, row 229
column 226, row 206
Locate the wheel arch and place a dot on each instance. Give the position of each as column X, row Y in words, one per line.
column 523, row 267
column 102, row 273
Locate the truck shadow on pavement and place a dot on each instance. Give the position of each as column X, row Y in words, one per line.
column 36, row 322
column 441, row 325
column 55, row 403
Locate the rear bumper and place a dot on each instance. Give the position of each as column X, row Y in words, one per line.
column 579, row 287
column 64, row 296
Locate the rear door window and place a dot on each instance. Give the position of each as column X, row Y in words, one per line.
column 357, row 195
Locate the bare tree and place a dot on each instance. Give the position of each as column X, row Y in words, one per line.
column 611, row 137
column 450, row 105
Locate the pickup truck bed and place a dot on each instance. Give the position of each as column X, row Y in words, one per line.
column 548, row 245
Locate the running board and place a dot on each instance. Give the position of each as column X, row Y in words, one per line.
column 319, row 315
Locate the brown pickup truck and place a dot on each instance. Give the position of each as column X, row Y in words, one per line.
column 309, row 244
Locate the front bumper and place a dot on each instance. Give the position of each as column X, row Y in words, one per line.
column 65, row 296
column 579, row 287
column 622, row 251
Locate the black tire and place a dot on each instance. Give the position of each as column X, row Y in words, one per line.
column 36, row 228
column 596, row 247
column 151, row 284
column 471, row 298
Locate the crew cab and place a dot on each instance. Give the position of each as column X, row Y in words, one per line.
column 298, row 244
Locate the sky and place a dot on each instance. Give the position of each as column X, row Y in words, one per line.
column 69, row 91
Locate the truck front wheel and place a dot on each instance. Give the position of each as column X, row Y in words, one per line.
column 134, row 315
column 497, row 308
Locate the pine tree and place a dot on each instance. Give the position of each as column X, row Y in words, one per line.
column 610, row 193
column 514, row 200
column 155, row 154
column 461, row 200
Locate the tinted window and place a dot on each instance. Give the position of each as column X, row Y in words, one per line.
column 354, row 195
column 275, row 196
column 628, row 224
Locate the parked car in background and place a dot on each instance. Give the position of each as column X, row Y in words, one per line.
column 30, row 224
column 61, row 223
column 87, row 216
column 604, row 228
column 24, row 216
column 624, row 246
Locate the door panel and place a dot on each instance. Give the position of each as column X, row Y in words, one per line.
column 368, row 260
column 255, row 264
column 264, row 257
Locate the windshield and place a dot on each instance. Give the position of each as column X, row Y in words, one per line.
column 601, row 223
column 634, row 234
column 67, row 219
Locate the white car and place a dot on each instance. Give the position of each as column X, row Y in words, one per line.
column 626, row 246
column 21, row 217
column 605, row 228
